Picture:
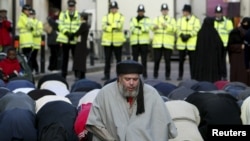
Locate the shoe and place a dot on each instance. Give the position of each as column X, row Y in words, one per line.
column 105, row 78
column 168, row 78
column 179, row 78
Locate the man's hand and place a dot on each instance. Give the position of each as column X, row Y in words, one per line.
column 242, row 46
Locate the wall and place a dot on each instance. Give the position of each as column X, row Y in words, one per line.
column 99, row 8
column 245, row 8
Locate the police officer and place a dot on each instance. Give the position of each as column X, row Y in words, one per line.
column 140, row 37
column 25, row 28
column 187, row 28
column 164, row 28
column 37, row 40
column 69, row 22
column 112, row 37
column 223, row 26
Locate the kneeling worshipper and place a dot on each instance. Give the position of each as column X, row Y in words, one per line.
column 55, row 121
column 49, row 77
column 129, row 110
column 49, row 98
column 17, row 100
column 84, row 107
column 17, row 117
column 215, row 109
column 38, row 93
column 85, row 85
column 245, row 110
column 20, row 85
column 185, row 115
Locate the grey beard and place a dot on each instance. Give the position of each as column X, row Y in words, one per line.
column 125, row 93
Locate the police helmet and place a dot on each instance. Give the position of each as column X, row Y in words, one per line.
column 141, row 8
column 218, row 9
column 32, row 12
column 26, row 7
column 114, row 4
column 71, row 3
column 164, row 6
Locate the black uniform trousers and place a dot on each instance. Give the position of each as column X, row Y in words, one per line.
column 182, row 58
column 141, row 50
column 108, row 52
column 27, row 53
column 158, row 52
column 55, row 57
column 33, row 61
column 65, row 57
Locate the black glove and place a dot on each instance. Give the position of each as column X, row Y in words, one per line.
column 69, row 35
column 139, row 27
column 185, row 37
column 113, row 29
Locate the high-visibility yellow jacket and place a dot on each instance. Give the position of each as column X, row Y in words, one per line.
column 140, row 31
column 164, row 36
column 223, row 28
column 184, row 26
column 37, row 33
column 112, row 29
column 24, row 26
column 66, row 24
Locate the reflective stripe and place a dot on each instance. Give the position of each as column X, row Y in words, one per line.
column 168, row 46
column 68, row 25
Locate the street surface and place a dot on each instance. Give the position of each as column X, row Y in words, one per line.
column 95, row 72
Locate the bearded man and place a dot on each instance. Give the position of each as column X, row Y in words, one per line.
column 129, row 110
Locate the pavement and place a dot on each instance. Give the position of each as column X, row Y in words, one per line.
column 97, row 66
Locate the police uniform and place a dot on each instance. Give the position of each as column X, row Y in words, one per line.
column 224, row 27
column 112, row 37
column 187, row 29
column 69, row 23
column 37, row 40
column 164, row 28
column 25, row 28
column 140, row 37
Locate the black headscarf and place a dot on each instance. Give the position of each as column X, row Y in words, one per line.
column 208, row 53
column 245, row 24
